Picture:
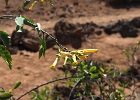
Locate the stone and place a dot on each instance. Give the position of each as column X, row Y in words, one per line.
column 25, row 53
column 67, row 32
column 13, row 50
column 31, row 44
column 98, row 31
column 136, row 22
column 114, row 28
column 29, row 40
column 128, row 30
column 16, row 37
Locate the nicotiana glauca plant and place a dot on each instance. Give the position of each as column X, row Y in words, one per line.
column 81, row 76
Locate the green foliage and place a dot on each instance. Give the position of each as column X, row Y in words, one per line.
column 85, row 76
column 25, row 3
column 5, row 54
column 42, row 47
column 5, row 38
column 17, row 85
column 5, row 95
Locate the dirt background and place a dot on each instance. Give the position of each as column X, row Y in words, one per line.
column 32, row 71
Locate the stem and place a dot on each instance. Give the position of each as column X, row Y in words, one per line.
column 63, row 48
column 73, row 89
column 42, row 85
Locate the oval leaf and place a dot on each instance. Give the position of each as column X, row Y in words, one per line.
column 5, row 95
column 25, row 3
column 5, row 38
column 6, row 56
column 17, row 85
column 92, row 69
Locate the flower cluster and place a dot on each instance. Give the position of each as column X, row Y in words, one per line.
column 74, row 55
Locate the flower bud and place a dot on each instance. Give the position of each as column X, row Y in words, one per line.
column 32, row 5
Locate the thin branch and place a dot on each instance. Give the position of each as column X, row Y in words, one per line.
column 73, row 89
column 63, row 48
column 42, row 85
column 9, row 16
column 2, row 88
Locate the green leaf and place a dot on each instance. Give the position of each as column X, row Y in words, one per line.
column 93, row 69
column 6, row 56
column 96, row 76
column 25, row 3
column 120, row 91
column 19, row 21
column 40, row 51
column 42, row 47
column 92, row 97
column 101, row 88
column 127, row 53
column 1, row 91
column 5, row 38
column 29, row 22
column 102, row 70
column 87, row 88
column 19, row 28
column 5, row 95
column 17, row 85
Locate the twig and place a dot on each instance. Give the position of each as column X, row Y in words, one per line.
column 2, row 88
column 63, row 48
column 73, row 89
column 8, row 16
column 42, row 85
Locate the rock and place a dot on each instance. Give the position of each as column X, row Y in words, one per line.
column 128, row 30
column 31, row 44
column 76, row 3
column 98, row 31
column 25, row 53
column 76, row 42
column 13, row 50
column 108, row 60
column 63, row 27
column 28, row 39
column 136, row 22
column 50, row 42
column 53, row 10
column 125, row 79
column 115, row 28
column 63, row 15
column 67, row 32
column 16, row 37
column 117, row 2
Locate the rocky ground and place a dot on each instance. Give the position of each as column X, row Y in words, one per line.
column 77, row 25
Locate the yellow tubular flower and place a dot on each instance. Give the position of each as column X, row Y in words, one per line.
column 65, row 61
column 65, row 53
column 32, row 5
column 80, row 51
column 84, row 57
column 75, row 63
column 41, row 0
column 54, row 64
column 90, row 50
